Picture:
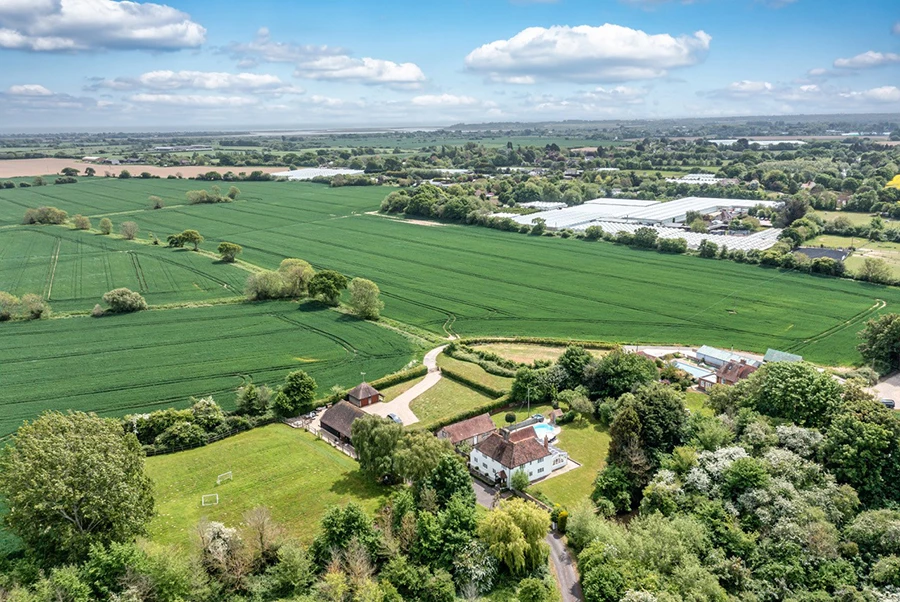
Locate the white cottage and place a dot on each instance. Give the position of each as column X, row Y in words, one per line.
column 500, row 454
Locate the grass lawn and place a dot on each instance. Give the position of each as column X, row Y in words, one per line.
column 475, row 372
column 521, row 413
column 832, row 241
column 525, row 353
column 289, row 471
column 587, row 444
column 395, row 391
column 696, row 403
column 445, row 399
column 854, row 217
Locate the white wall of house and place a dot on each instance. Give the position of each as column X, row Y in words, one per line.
column 490, row 468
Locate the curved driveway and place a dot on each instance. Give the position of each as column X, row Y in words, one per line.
column 400, row 405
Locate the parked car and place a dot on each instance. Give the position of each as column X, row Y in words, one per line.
column 888, row 403
column 395, row 418
column 538, row 417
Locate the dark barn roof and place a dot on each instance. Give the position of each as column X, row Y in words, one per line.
column 466, row 429
column 339, row 418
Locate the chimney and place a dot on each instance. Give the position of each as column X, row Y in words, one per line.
column 506, row 434
column 547, row 443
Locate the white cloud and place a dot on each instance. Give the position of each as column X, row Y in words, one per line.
column 443, row 100
column 896, row 29
column 70, row 25
column 263, row 49
column 198, row 80
column 364, row 70
column 29, row 90
column 585, row 53
column 598, row 101
column 882, row 95
column 325, row 62
column 190, row 100
column 867, row 60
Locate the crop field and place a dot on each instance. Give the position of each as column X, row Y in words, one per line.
column 448, row 278
column 157, row 359
column 477, row 281
column 73, row 269
column 286, row 470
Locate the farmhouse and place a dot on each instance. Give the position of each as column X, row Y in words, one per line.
column 364, row 395
column 734, row 371
column 469, row 431
column 502, row 453
column 338, row 419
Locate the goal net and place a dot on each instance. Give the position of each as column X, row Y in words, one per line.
column 225, row 476
column 210, row 499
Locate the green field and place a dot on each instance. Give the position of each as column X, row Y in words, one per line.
column 156, row 359
column 289, row 471
column 468, row 280
column 475, row 372
column 73, row 269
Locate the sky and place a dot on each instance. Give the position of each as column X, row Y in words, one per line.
column 234, row 64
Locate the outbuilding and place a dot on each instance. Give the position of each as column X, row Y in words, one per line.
column 364, row 395
column 338, row 420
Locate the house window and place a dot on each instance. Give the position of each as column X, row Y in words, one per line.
column 530, row 474
column 484, row 464
column 540, row 470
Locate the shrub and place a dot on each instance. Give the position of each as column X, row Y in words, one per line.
column 182, row 434
column 123, row 300
column 156, row 202
column 9, row 305
column 510, row 417
column 106, row 226
column 520, row 480
column 97, row 311
column 129, row 230
column 33, row 307
column 45, row 215
column 81, row 222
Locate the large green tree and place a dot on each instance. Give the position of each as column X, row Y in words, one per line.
column 327, row 286
column 375, row 440
column 72, row 480
column 796, row 391
column 880, row 346
column 418, row 454
column 618, row 372
column 296, row 395
column 514, row 533
column 364, row 299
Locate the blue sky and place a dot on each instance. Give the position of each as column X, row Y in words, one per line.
column 267, row 63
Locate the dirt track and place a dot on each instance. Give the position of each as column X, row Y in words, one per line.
column 44, row 167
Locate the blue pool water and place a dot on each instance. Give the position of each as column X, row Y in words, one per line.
column 543, row 431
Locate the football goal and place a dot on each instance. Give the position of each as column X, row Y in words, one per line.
column 210, row 499
column 225, row 476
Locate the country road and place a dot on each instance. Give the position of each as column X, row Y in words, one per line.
column 564, row 566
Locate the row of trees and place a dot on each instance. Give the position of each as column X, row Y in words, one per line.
column 296, row 278
column 28, row 307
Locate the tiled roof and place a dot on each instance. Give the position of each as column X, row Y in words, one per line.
column 466, row 429
column 732, row 372
column 363, row 391
column 340, row 417
column 512, row 454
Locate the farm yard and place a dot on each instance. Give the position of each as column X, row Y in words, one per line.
column 287, row 470
column 455, row 279
column 157, row 359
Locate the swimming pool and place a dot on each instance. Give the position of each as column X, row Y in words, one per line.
column 544, row 431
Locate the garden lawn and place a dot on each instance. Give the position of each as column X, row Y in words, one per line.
column 526, row 353
column 444, row 400
column 289, row 471
column 156, row 359
column 587, row 443
column 475, row 372
column 393, row 392
column 696, row 403
column 521, row 412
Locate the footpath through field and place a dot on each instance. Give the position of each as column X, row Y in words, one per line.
column 400, row 405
